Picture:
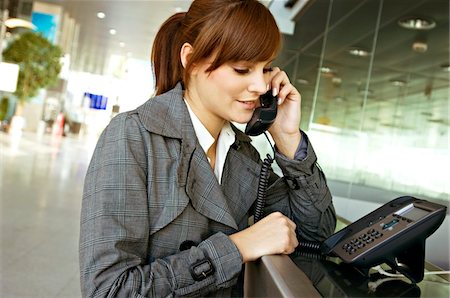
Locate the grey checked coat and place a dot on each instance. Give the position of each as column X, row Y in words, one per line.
column 149, row 188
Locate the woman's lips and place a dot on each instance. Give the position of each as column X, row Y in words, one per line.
column 249, row 104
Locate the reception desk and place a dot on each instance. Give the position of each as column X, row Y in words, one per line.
column 309, row 276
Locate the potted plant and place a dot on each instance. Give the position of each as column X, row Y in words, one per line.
column 39, row 65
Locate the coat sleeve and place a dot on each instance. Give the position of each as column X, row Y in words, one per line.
column 114, row 230
column 303, row 195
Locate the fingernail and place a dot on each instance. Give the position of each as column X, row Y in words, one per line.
column 274, row 91
column 279, row 101
column 267, row 87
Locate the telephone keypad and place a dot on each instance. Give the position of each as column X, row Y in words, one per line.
column 359, row 242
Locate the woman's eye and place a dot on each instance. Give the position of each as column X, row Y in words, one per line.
column 268, row 69
column 242, row 70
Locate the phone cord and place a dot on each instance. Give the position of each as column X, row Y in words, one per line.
column 309, row 245
column 309, row 254
column 262, row 187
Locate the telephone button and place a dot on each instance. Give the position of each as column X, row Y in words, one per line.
column 378, row 235
column 369, row 240
column 360, row 245
column 350, row 251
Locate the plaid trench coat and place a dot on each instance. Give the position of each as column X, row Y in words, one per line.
column 149, row 190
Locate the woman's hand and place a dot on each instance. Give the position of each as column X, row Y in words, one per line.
column 274, row 234
column 285, row 130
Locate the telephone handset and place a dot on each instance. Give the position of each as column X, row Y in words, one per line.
column 263, row 116
column 394, row 234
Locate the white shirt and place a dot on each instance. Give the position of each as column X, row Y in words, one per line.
column 226, row 139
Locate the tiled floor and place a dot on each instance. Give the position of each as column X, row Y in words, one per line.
column 41, row 182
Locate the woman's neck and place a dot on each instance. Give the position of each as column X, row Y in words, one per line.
column 211, row 122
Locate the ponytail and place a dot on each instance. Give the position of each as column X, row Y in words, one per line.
column 166, row 54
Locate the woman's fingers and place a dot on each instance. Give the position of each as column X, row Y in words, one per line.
column 274, row 234
column 281, row 86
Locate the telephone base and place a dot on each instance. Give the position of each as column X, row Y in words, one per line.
column 410, row 263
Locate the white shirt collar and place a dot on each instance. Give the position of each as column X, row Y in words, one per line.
column 226, row 139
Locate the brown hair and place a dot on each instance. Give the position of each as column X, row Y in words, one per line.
column 237, row 30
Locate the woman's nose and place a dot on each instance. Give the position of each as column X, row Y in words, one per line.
column 258, row 84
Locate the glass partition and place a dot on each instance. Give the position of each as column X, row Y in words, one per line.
column 374, row 79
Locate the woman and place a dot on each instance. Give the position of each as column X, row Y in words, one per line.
column 172, row 184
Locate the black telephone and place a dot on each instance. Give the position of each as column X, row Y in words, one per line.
column 263, row 116
column 394, row 234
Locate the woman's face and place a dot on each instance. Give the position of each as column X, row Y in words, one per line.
column 231, row 92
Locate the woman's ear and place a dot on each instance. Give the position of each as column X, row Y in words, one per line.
column 186, row 51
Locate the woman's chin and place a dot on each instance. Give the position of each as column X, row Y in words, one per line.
column 242, row 121
column 243, row 118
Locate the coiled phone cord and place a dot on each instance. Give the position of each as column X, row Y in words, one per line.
column 263, row 183
column 262, row 187
column 310, row 245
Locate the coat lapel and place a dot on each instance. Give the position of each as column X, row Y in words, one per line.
column 167, row 115
column 205, row 192
column 240, row 182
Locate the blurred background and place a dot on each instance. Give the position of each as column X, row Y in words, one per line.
column 374, row 77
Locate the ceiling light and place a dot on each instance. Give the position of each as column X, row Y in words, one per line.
column 358, row 52
column 328, row 72
column 416, row 23
column 336, row 80
column 398, row 83
column 122, row 44
column 101, row 15
column 445, row 67
column 15, row 23
column 112, row 31
column 325, row 69
column 419, row 46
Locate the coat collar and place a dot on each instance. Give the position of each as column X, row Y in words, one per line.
column 167, row 115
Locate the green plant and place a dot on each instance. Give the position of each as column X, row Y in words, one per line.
column 38, row 60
